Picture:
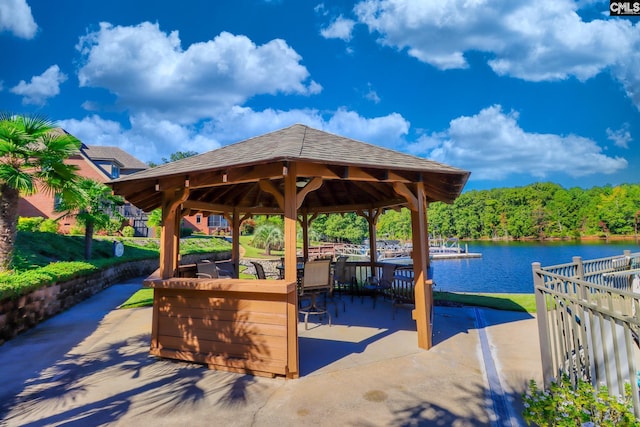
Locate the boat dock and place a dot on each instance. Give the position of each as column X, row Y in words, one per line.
column 439, row 249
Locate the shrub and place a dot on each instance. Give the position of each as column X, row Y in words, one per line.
column 564, row 405
column 247, row 227
column 186, row 232
column 13, row 285
column 49, row 226
column 128, row 231
column 29, row 223
column 113, row 226
column 76, row 230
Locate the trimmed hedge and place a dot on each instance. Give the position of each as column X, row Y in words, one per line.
column 17, row 284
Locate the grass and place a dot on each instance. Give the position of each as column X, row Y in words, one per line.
column 253, row 252
column 42, row 258
column 509, row 302
column 142, row 298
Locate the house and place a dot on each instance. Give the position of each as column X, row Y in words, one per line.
column 101, row 163
column 104, row 163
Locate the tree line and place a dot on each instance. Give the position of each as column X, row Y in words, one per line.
column 540, row 210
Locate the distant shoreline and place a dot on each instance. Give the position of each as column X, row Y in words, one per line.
column 558, row 239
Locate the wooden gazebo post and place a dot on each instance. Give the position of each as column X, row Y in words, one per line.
column 290, row 261
column 417, row 202
column 170, row 231
column 372, row 216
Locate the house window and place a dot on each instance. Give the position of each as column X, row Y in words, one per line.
column 115, row 171
column 216, row 221
column 57, row 201
column 198, row 219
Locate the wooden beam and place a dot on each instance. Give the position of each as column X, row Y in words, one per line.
column 235, row 242
column 205, row 207
column 372, row 216
column 312, row 185
column 268, row 187
column 420, row 253
column 405, row 192
column 170, row 229
column 290, row 262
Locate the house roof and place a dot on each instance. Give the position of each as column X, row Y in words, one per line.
column 354, row 174
column 113, row 154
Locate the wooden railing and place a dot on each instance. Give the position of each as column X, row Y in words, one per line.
column 402, row 283
column 588, row 321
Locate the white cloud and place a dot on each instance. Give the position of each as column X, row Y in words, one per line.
column 340, row 28
column 149, row 71
column 42, row 87
column 493, row 146
column 150, row 139
column 536, row 41
column 621, row 137
column 372, row 95
column 15, row 17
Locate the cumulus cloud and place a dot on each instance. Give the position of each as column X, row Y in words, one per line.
column 621, row 137
column 495, row 147
column 150, row 139
column 535, row 41
column 147, row 139
column 42, row 87
column 148, row 70
column 340, row 28
column 16, row 18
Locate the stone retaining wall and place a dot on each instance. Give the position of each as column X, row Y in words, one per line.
column 20, row 314
column 269, row 265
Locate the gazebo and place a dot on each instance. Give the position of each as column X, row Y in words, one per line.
column 297, row 172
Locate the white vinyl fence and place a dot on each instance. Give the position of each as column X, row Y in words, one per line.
column 589, row 321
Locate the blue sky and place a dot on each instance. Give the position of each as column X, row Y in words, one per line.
column 515, row 92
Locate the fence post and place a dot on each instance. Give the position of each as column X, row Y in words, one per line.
column 543, row 326
column 577, row 260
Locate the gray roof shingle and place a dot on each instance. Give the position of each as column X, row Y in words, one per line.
column 297, row 142
column 111, row 153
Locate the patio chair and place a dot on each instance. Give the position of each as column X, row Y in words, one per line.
column 260, row 273
column 316, row 280
column 384, row 285
column 342, row 281
column 226, row 269
column 206, row 269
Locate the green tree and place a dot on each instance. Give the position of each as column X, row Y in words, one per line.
column 178, row 155
column 268, row 236
column 93, row 208
column 155, row 220
column 32, row 158
column 395, row 225
column 348, row 227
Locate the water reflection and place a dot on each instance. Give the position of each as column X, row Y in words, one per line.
column 505, row 267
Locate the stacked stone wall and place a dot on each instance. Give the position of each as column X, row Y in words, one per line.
column 20, row 314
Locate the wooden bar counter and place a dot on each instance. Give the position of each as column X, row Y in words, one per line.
column 246, row 326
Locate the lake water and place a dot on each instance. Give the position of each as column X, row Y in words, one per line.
column 506, row 267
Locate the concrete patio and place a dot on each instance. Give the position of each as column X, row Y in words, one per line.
column 90, row 366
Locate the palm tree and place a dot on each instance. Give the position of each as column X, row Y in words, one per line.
column 32, row 158
column 268, row 236
column 93, row 209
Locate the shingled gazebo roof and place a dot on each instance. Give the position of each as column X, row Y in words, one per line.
column 355, row 175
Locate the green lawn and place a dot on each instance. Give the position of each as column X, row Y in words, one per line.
column 42, row 258
column 509, row 302
column 253, row 252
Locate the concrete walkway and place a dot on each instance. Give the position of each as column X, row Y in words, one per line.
column 90, row 366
